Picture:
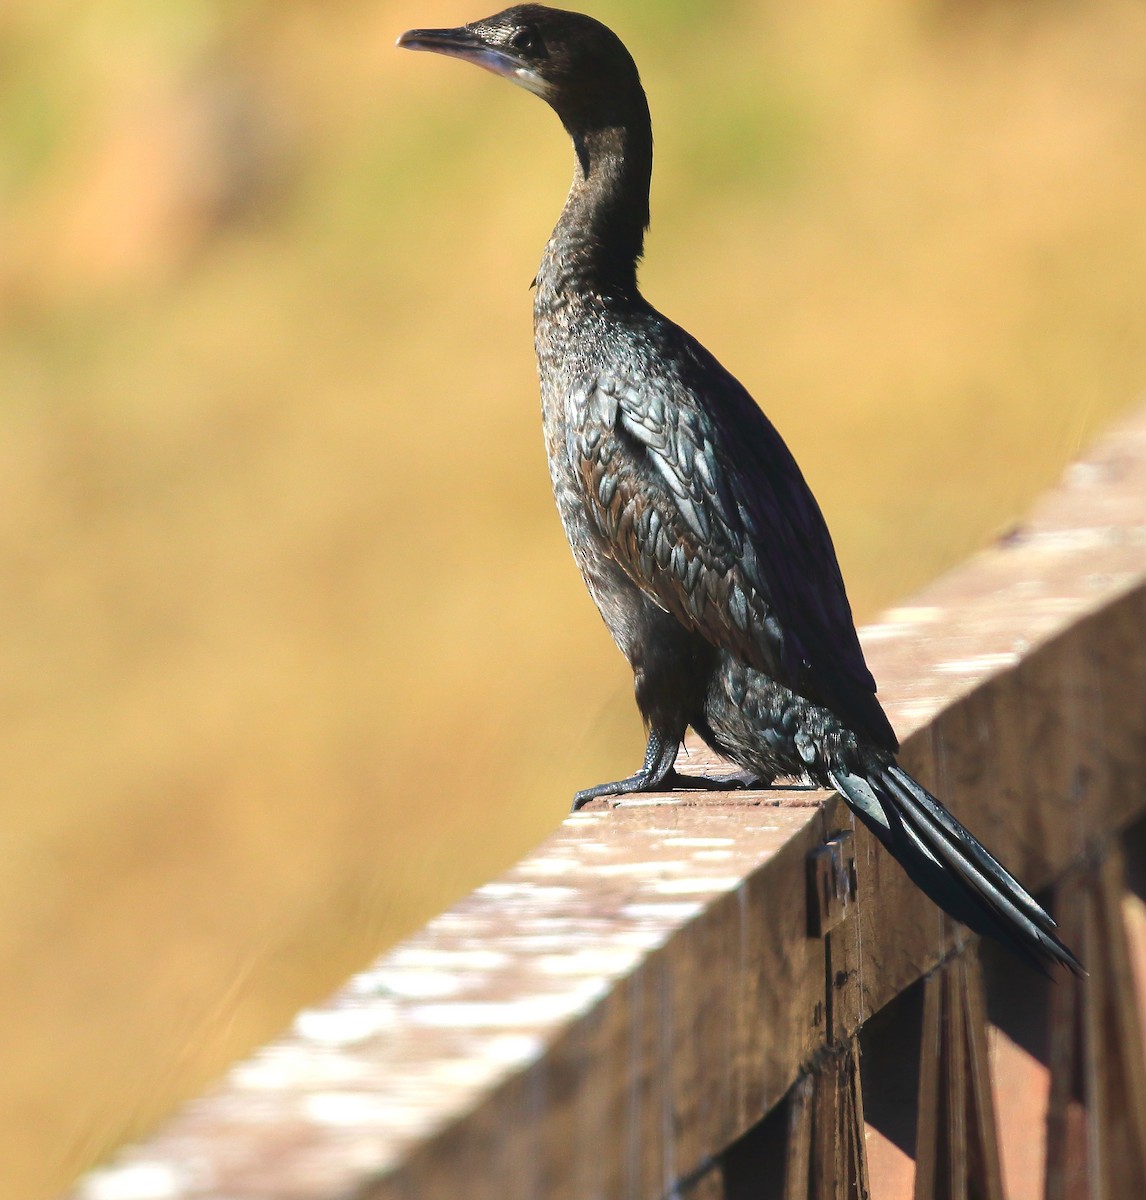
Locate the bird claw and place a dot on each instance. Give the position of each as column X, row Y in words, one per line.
column 671, row 781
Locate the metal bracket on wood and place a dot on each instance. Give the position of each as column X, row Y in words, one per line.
column 832, row 883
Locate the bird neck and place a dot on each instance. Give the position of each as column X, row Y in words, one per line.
column 595, row 246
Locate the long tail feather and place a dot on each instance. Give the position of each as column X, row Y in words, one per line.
column 951, row 866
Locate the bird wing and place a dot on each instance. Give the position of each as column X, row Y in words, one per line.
column 705, row 509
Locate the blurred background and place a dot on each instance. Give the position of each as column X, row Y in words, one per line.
column 293, row 651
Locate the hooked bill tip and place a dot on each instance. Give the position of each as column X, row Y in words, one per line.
column 445, row 41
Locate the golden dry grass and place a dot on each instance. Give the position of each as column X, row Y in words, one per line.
column 294, row 653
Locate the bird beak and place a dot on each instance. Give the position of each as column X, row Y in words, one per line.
column 469, row 46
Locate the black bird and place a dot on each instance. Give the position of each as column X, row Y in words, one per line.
column 695, row 531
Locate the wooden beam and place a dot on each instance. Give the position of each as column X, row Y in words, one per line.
column 611, row 1015
column 957, row 1154
column 1096, row 1123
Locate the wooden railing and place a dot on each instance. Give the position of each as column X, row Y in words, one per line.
column 708, row 997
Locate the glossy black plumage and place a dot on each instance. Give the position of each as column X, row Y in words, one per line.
column 692, row 525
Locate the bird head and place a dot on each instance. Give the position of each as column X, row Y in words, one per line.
column 576, row 64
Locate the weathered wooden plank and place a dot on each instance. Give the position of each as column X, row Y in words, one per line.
column 801, row 1139
column 607, row 1018
column 813, row 1147
column 662, row 1079
column 984, row 1166
column 1096, row 1120
column 956, row 1149
column 836, row 1166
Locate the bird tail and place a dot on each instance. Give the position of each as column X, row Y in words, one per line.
column 947, row 863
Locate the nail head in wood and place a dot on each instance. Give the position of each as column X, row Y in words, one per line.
column 831, row 883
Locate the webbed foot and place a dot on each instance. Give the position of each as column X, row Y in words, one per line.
column 659, row 774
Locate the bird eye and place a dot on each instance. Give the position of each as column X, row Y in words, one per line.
column 528, row 41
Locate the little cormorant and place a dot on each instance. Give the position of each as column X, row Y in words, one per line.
column 692, row 525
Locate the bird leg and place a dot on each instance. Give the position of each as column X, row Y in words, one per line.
column 658, row 774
